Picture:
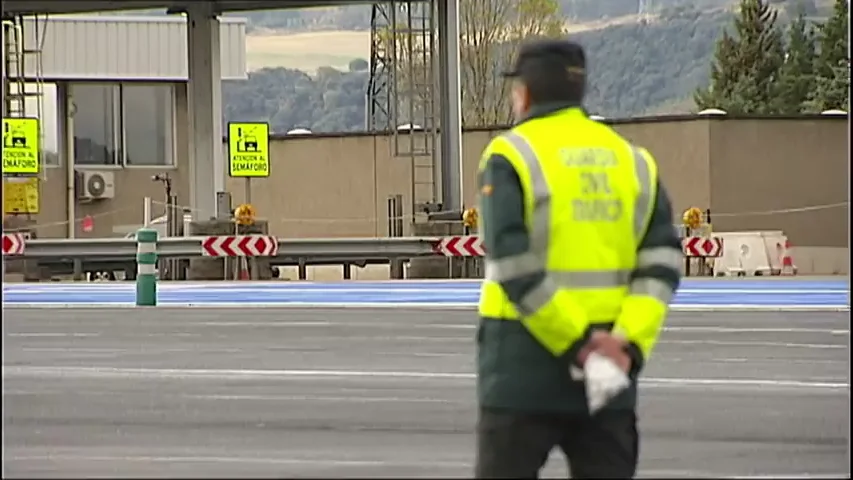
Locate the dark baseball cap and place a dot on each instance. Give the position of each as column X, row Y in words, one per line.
column 549, row 57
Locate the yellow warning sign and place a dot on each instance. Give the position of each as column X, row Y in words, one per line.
column 21, row 146
column 21, row 195
column 248, row 149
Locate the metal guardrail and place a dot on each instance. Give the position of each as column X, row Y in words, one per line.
column 188, row 247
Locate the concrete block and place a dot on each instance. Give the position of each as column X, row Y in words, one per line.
column 438, row 228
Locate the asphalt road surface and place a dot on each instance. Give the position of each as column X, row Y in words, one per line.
column 385, row 393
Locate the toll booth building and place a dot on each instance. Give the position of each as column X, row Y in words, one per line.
column 111, row 94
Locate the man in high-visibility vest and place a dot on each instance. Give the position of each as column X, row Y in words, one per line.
column 582, row 261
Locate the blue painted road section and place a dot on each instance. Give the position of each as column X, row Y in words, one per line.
column 710, row 294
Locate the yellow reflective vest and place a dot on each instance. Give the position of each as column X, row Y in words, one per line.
column 588, row 198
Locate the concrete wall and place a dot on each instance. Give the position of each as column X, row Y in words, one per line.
column 799, row 170
column 324, row 186
column 336, row 186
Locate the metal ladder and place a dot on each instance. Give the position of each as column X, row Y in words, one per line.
column 413, row 99
column 24, row 69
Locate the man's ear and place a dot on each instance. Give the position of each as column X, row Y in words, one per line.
column 520, row 98
column 523, row 95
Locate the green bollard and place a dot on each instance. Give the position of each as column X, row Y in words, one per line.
column 146, row 267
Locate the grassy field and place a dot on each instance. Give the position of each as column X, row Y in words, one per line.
column 306, row 51
column 309, row 50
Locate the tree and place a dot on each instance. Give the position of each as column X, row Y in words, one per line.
column 806, row 7
column 636, row 69
column 358, row 65
column 723, row 77
column 490, row 33
column 796, row 77
column 832, row 64
column 490, row 48
column 746, row 67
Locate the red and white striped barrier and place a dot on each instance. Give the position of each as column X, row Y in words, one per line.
column 464, row 246
column 240, row 246
column 14, row 243
column 702, row 247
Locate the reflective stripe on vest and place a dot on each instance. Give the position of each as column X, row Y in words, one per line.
column 534, row 261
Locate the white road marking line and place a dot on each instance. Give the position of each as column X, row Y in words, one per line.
column 787, row 475
column 320, row 398
column 456, row 326
column 342, row 462
column 53, row 335
column 436, row 326
column 406, row 306
column 712, row 329
column 186, row 374
column 201, row 459
column 427, row 354
column 816, row 346
column 111, row 351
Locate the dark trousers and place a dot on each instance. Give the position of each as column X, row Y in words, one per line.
column 516, row 445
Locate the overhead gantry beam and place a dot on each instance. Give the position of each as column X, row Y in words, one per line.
column 56, row 7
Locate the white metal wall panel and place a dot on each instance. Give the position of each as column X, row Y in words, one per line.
column 232, row 42
column 95, row 47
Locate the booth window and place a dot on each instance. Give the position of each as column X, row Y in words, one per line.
column 127, row 124
column 95, row 108
column 148, row 114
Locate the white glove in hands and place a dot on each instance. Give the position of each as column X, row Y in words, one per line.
column 603, row 380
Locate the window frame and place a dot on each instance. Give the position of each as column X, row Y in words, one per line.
column 171, row 119
column 116, row 126
column 119, row 123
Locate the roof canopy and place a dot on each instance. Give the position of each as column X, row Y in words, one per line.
column 20, row 7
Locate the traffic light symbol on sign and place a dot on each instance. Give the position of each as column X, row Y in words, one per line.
column 246, row 141
column 14, row 137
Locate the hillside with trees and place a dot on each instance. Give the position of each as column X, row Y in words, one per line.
column 357, row 17
column 329, row 101
column 762, row 67
column 634, row 69
column 662, row 65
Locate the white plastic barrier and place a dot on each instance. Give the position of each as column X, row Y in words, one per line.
column 774, row 242
column 751, row 253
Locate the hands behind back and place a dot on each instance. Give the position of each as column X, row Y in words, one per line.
column 608, row 345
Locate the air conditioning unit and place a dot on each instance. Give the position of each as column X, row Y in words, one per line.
column 94, row 185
